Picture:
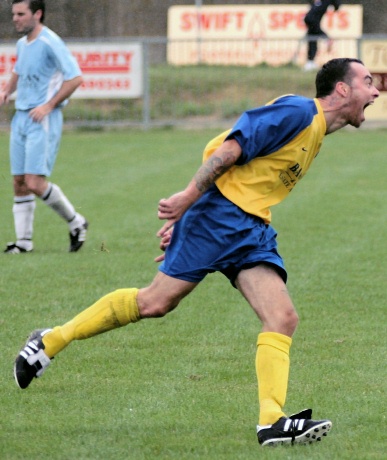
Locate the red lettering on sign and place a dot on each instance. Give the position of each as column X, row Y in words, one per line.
column 106, row 84
column 2, row 65
column 282, row 19
column 329, row 18
column 7, row 63
column 342, row 19
column 187, row 21
column 213, row 21
column 239, row 19
column 108, row 62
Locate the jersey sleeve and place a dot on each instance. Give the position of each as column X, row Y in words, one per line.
column 65, row 61
column 266, row 129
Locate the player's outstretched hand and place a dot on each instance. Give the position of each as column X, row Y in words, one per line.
column 164, row 243
column 171, row 209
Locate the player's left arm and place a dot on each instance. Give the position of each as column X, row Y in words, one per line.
column 65, row 91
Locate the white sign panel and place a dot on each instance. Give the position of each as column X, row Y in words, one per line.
column 112, row 70
column 374, row 56
column 251, row 34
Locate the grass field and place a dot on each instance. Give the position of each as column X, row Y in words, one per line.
column 184, row 386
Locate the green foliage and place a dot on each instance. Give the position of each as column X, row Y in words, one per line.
column 184, row 386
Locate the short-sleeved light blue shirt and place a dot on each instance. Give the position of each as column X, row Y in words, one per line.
column 42, row 65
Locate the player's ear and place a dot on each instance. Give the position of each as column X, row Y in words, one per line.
column 38, row 14
column 342, row 88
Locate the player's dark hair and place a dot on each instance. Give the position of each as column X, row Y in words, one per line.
column 34, row 6
column 332, row 72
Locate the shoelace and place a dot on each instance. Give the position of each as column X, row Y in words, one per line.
column 293, row 425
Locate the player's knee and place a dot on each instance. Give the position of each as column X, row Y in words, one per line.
column 156, row 310
column 36, row 184
column 291, row 320
column 32, row 187
column 284, row 321
column 19, row 184
column 154, row 307
column 288, row 322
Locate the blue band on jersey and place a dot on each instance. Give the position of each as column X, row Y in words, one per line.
column 266, row 129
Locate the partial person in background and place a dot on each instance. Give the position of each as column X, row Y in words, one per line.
column 221, row 223
column 313, row 20
column 45, row 75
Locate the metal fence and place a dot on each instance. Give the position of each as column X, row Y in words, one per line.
column 199, row 94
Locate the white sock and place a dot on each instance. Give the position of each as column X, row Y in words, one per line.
column 76, row 223
column 23, row 213
column 57, row 200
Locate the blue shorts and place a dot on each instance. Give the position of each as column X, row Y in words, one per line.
column 216, row 235
column 34, row 146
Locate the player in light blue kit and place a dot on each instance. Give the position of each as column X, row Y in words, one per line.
column 45, row 75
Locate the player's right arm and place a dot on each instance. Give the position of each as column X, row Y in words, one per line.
column 172, row 208
column 10, row 88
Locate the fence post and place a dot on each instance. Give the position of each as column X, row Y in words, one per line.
column 146, row 86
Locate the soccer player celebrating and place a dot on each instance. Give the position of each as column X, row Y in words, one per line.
column 221, row 222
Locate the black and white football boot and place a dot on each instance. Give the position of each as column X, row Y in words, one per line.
column 31, row 361
column 296, row 429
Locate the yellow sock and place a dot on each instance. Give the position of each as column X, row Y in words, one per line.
column 110, row 312
column 272, row 366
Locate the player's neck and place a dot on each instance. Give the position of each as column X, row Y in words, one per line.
column 34, row 32
column 335, row 115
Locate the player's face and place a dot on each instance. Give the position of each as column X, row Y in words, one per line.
column 362, row 94
column 23, row 18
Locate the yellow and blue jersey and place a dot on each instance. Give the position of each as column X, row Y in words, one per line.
column 279, row 141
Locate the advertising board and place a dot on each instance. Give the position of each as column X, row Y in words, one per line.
column 112, row 70
column 374, row 55
column 253, row 34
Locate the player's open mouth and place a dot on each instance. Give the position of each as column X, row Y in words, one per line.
column 368, row 104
